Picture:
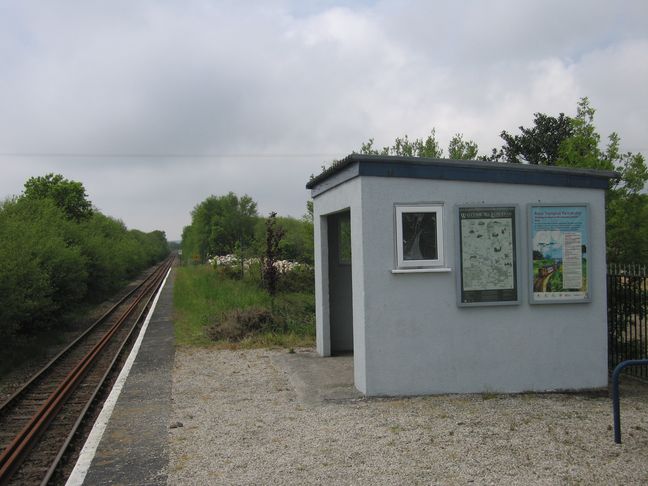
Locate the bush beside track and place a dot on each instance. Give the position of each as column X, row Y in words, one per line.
column 51, row 264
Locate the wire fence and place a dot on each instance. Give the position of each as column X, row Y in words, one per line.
column 627, row 287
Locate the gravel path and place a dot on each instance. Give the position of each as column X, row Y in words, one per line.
column 243, row 423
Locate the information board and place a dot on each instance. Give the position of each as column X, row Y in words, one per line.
column 559, row 240
column 487, row 255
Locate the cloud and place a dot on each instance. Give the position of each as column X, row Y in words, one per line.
column 615, row 77
column 286, row 77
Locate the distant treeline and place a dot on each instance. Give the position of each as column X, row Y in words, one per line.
column 229, row 224
column 57, row 252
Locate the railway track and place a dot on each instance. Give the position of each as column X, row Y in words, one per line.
column 39, row 421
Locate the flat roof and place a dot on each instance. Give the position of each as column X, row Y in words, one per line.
column 355, row 165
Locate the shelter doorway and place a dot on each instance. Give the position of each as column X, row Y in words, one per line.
column 340, row 284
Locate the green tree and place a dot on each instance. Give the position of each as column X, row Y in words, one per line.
column 68, row 195
column 460, row 149
column 297, row 243
column 626, row 206
column 190, row 244
column 575, row 142
column 627, row 227
column 582, row 147
column 220, row 225
column 539, row 144
column 52, row 261
column 115, row 253
column 308, row 230
column 101, row 241
column 41, row 275
column 430, row 147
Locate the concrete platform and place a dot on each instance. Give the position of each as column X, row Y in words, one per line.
column 133, row 448
column 318, row 380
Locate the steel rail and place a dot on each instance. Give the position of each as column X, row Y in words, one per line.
column 73, row 375
column 20, row 445
column 72, row 345
column 100, row 385
column 14, row 454
column 16, row 451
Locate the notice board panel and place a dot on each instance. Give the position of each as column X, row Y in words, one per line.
column 559, row 242
column 487, row 256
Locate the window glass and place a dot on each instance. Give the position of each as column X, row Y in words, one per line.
column 420, row 236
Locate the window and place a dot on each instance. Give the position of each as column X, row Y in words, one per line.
column 419, row 235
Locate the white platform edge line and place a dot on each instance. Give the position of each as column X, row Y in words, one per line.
column 90, row 447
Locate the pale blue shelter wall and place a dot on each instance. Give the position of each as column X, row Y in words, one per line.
column 346, row 196
column 415, row 339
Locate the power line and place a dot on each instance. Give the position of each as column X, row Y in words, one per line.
column 167, row 155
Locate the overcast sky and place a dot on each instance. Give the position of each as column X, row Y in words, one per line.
column 270, row 90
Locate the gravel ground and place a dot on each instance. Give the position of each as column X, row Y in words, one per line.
column 243, row 423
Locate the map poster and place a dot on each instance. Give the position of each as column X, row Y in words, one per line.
column 559, row 242
column 487, row 255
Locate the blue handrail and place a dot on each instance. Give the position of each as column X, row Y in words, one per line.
column 616, row 411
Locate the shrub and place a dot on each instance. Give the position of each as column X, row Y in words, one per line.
column 274, row 235
column 296, row 312
column 52, row 260
column 297, row 243
column 237, row 324
column 41, row 275
column 230, row 271
column 300, row 278
column 290, row 276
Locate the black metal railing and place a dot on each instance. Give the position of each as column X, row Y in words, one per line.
column 616, row 402
column 627, row 287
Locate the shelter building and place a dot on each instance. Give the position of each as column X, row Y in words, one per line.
column 446, row 276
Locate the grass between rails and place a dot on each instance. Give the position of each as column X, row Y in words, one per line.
column 201, row 296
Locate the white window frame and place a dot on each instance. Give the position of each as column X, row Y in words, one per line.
column 420, row 208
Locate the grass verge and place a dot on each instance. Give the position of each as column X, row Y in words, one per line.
column 201, row 296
